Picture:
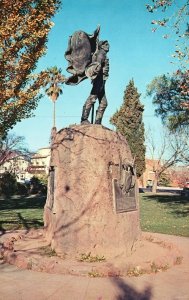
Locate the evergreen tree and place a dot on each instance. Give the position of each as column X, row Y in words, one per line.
column 128, row 121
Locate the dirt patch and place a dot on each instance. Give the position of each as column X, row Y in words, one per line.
column 31, row 251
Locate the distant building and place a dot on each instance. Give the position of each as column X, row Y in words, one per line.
column 149, row 174
column 17, row 164
column 25, row 167
column 40, row 162
column 177, row 175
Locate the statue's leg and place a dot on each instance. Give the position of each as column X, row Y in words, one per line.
column 87, row 108
column 103, row 103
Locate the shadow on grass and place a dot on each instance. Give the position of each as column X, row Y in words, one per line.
column 22, row 202
column 20, row 223
column 29, row 223
column 21, row 213
column 178, row 204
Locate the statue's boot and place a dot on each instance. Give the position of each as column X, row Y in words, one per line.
column 85, row 115
column 100, row 112
column 99, row 116
column 87, row 108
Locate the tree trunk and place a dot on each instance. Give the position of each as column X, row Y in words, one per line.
column 154, row 186
column 54, row 114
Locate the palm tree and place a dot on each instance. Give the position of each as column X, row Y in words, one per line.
column 53, row 82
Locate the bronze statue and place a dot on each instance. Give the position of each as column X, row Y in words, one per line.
column 127, row 177
column 87, row 59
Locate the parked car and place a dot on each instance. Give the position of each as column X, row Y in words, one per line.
column 185, row 191
column 186, row 186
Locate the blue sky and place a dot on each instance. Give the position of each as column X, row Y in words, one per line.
column 135, row 52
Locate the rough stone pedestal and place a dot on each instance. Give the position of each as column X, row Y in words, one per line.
column 86, row 208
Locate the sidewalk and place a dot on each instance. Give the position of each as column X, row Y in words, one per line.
column 173, row 284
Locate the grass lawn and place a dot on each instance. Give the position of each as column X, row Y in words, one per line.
column 161, row 213
column 21, row 212
column 167, row 214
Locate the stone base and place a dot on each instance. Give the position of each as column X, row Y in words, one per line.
column 80, row 212
column 31, row 251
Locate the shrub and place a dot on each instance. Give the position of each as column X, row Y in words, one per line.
column 8, row 184
column 22, row 189
column 37, row 185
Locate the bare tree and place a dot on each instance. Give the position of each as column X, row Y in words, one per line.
column 12, row 146
column 172, row 149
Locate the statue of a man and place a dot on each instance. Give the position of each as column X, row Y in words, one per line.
column 87, row 58
column 98, row 71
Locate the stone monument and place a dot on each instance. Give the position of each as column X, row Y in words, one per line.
column 92, row 202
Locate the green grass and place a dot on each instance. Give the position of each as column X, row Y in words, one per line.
column 21, row 212
column 167, row 214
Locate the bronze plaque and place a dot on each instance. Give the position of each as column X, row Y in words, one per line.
column 123, row 201
column 51, row 187
column 124, row 185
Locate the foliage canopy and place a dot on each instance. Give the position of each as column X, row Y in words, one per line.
column 171, row 98
column 24, row 28
column 172, row 15
column 171, row 92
